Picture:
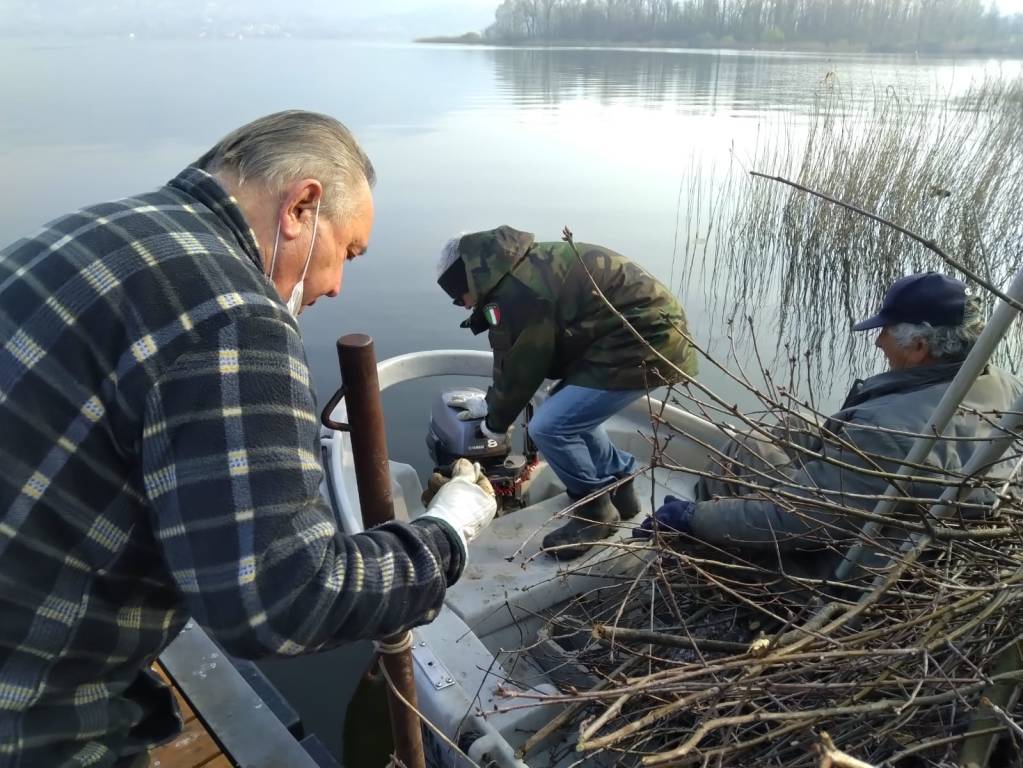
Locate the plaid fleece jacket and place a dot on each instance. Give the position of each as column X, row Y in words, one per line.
column 158, row 460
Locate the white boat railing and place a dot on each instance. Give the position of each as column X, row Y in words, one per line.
column 340, row 486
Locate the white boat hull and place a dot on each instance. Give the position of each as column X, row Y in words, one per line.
column 464, row 661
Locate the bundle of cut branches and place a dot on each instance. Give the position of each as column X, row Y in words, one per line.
column 891, row 621
column 737, row 660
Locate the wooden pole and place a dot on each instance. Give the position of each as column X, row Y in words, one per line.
column 372, row 474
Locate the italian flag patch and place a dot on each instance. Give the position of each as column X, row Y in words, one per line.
column 493, row 314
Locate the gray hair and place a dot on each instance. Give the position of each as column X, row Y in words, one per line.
column 280, row 148
column 945, row 343
column 448, row 255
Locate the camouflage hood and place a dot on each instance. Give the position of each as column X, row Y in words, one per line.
column 490, row 256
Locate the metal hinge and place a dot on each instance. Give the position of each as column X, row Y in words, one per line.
column 438, row 675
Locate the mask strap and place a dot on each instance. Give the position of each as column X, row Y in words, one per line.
column 273, row 257
column 312, row 242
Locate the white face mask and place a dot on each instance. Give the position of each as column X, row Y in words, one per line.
column 294, row 301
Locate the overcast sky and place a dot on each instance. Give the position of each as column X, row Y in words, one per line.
column 361, row 8
column 391, row 19
column 486, row 7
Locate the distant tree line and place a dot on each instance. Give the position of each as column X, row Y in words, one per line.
column 878, row 25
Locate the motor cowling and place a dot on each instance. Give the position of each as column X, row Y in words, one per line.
column 450, row 438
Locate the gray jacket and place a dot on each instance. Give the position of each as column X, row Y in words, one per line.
column 874, row 429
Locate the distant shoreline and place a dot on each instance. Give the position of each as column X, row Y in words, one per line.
column 473, row 38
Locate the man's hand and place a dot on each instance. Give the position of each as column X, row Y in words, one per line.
column 674, row 516
column 491, row 434
column 470, row 405
column 434, row 484
column 466, row 502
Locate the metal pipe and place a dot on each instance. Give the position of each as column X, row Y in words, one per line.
column 372, row 475
column 1001, row 437
column 972, row 367
column 1003, row 434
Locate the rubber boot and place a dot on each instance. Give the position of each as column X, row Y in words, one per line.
column 625, row 500
column 593, row 521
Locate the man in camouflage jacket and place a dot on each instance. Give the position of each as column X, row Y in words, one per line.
column 546, row 320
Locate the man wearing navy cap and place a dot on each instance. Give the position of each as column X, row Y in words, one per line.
column 928, row 325
column 922, row 321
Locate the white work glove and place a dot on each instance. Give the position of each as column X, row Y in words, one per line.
column 466, row 502
column 487, row 432
column 469, row 404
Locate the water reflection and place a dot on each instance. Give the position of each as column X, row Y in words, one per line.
column 547, row 77
column 463, row 138
column 732, row 83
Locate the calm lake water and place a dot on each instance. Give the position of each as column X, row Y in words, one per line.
column 462, row 139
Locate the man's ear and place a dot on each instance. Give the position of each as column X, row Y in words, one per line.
column 921, row 351
column 299, row 206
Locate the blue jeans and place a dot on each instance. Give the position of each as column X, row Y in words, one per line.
column 569, row 431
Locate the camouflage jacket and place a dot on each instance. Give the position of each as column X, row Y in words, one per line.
column 546, row 321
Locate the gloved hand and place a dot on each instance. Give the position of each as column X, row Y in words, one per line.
column 434, row 484
column 489, row 433
column 466, row 502
column 673, row 516
column 469, row 404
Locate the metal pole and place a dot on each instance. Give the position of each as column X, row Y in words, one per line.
column 1000, row 438
column 369, row 455
column 974, row 365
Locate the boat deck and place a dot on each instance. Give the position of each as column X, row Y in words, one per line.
column 195, row 747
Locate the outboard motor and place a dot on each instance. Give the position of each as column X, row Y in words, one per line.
column 450, row 438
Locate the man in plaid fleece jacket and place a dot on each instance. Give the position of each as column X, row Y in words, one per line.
column 159, row 445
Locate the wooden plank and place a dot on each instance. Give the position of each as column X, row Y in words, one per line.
column 218, row 762
column 193, row 747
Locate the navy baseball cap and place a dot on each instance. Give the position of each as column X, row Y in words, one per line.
column 925, row 298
